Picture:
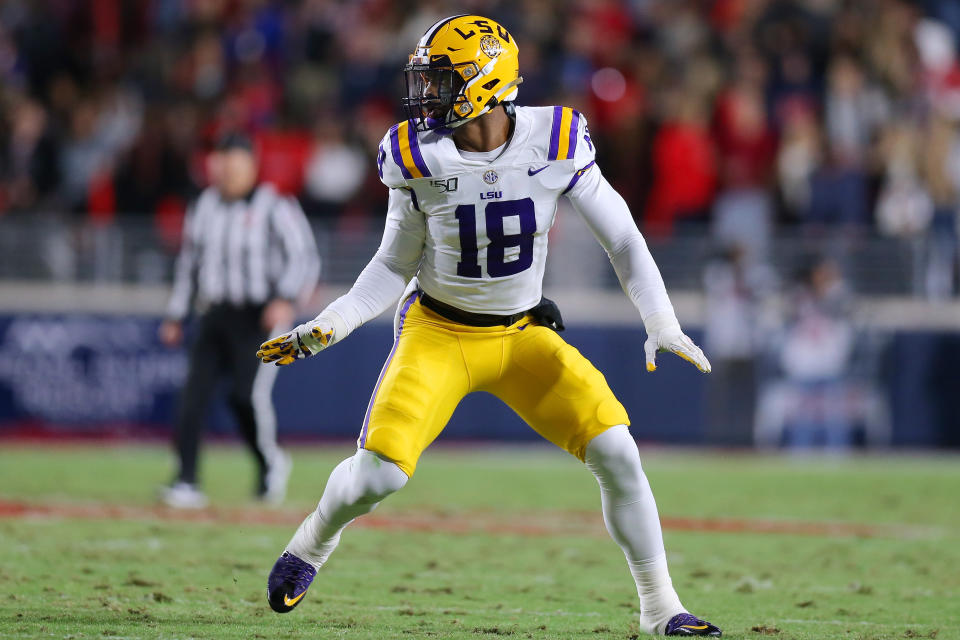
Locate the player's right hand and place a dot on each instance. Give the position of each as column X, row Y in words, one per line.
column 303, row 341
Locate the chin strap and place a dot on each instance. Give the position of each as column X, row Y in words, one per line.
column 504, row 96
column 447, row 129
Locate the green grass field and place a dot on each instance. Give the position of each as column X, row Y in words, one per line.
column 482, row 543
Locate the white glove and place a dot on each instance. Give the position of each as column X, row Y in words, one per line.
column 305, row 340
column 664, row 334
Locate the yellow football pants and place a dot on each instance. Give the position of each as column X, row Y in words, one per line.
column 434, row 363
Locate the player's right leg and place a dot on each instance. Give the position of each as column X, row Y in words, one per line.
column 355, row 487
column 421, row 384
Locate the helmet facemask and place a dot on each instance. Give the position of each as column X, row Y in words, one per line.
column 435, row 93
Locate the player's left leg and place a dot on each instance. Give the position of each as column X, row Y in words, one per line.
column 252, row 404
column 563, row 397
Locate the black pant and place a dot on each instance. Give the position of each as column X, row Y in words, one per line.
column 227, row 343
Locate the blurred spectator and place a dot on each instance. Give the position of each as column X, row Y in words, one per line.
column 743, row 211
column 735, row 289
column 684, row 166
column 29, row 171
column 853, row 110
column 940, row 168
column 820, row 399
column 797, row 159
column 815, row 358
column 814, row 351
column 335, row 171
column 706, row 115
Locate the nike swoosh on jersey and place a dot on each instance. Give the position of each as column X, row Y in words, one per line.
column 287, row 600
column 532, row 172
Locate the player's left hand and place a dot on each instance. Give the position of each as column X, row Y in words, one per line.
column 302, row 342
column 665, row 335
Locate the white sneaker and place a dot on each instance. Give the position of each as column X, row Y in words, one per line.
column 276, row 478
column 183, row 495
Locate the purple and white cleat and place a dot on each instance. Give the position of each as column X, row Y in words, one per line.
column 686, row 624
column 288, row 582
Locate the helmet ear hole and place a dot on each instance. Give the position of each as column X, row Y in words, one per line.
column 491, row 84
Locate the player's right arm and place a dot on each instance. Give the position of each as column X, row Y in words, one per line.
column 376, row 289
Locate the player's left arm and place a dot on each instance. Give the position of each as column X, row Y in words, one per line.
column 608, row 216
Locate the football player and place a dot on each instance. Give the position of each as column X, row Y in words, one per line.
column 474, row 183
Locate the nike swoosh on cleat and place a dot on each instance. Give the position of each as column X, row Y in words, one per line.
column 287, row 600
column 683, row 626
column 532, row 172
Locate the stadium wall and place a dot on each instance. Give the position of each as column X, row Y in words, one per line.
column 92, row 373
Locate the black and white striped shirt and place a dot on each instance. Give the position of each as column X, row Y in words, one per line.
column 244, row 252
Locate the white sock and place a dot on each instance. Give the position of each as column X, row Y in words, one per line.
column 355, row 487
column 630, row 514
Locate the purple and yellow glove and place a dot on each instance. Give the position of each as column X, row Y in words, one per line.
column 310, row 338
column 664, row 334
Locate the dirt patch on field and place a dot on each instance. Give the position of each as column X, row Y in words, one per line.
column 544, row 523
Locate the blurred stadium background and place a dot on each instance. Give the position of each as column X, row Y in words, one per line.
column 795, row 166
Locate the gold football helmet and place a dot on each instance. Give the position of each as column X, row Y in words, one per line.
column 462, row 67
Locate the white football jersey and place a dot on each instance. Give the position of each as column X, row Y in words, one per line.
column 485, row 223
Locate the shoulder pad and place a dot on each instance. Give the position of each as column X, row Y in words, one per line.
column 399, row 157
column 569, row 136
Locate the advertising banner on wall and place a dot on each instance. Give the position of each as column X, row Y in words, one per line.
column 86, row 372
column 101, row 374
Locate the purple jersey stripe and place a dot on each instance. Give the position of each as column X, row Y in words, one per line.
column 555, row 133
column 386, row 365
column 577, row 175
column 395, row 150
column 574, row 129
column 415, row 150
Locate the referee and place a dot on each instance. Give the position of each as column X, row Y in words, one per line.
column 248, row 255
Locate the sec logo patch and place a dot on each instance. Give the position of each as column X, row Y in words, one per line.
column 490, row 177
